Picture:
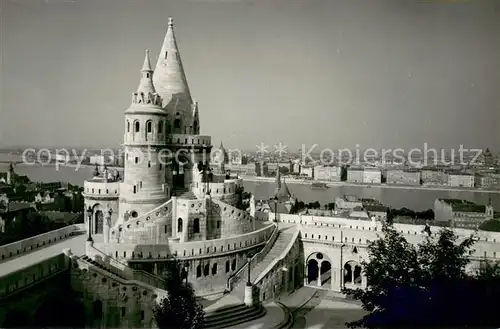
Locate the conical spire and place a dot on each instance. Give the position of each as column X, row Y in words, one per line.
column 146, row 84
column 169, row 78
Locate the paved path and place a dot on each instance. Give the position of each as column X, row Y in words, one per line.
column 76, row 244
column 333, row 313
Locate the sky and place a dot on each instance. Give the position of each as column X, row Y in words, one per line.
column 338, row 73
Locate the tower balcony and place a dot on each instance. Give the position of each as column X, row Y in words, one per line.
column 196, row 141
column 100, row 188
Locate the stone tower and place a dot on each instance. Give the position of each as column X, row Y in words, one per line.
column 187, row 148
column 143, row 187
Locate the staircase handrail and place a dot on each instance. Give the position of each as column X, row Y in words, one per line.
column 280, row 258
column 119, row 279
column 143, row 216
column 236, row 277
column 127, row 269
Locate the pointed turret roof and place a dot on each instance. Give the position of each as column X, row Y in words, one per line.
column 169, row 77
column 284, row 193
column 278, row 178
column 146, row 98
column 146, row 84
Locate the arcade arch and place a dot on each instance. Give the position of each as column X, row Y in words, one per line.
column 318, row 270
column 353, row 273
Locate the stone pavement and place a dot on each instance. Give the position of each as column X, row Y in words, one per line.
column 297, row 298
column 333, row 313
column 76, row 244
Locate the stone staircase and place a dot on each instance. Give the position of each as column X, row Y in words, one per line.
column 285, row 236
column 113, row 271
column 231, row 315
column 186, row 195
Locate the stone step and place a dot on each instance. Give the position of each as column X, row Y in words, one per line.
column 233, row 318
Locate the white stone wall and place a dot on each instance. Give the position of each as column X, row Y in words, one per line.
column 143, row 136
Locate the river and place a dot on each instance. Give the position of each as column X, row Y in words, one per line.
column 415, row 199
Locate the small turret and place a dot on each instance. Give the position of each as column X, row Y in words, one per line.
column 96, row 171
column 146, row 93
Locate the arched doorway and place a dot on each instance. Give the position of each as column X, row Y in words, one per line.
column 312, row 270
column 353, row 273
column 325, row 272
column 97, row 310
column 98, row 222
column 180, row 167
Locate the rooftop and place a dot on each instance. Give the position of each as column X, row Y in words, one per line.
column 464, row 205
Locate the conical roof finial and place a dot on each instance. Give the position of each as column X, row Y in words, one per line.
column 146, row 67
column 170, row 22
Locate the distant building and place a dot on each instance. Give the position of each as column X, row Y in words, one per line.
column 97, row 159
column 460, row 180
column 403, row 176
column 355, row 175
column 327, row 173
column 377, row 212
column 347, row 202
column 487, row 180
column 433, row 176
column 488, row 159
column 307, row 171
column 372, row 176
column 461, row 213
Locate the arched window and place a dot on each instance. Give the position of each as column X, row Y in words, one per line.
column 196, row 225
column 160, row 127
column 128, row 126
column 137, row 126
column 195, row 127
column 198, row 271
column 214, row 269
column 206, row 270
column 179, row 225
column 177, row 126
column 227, row 266
column 149, row 127
column 233, row 265
column 168, row 127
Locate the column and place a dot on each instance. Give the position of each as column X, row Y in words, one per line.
column 155, row 268
column 174, row 217
column 333, row 279
column 352, row 273
column 185, row 229
column 105, row 230
column 319, row 274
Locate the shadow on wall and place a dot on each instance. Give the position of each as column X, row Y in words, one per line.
column 63, row 308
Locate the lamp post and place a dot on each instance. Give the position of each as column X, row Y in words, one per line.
column 249, row 283
column 186, row 270
column 89, row 213
column 275, row 200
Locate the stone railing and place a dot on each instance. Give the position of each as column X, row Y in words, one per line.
column 24, row 246
column 158, row 213
column 27, row 277
column 87, row 266
column 121, row 269
column 236, row 278
column 187, row 140
column 278, row 261
column 193, row 249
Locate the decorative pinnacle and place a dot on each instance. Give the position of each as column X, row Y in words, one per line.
column 170, row 22
column 147, row 64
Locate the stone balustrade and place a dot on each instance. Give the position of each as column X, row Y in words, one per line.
column 258, row 257
column 26, row 277
column 189, row 140
column 186, row 250
column 101, row 189
column 21, row 247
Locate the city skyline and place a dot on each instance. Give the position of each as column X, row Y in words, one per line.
column 401, row 74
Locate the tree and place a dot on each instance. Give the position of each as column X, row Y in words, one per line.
column 426, row 285
column 492, row 225
column 179, row 309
